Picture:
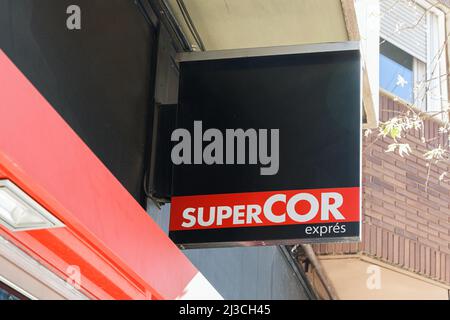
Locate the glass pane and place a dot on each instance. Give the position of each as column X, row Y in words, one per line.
column 7, row 293
column 435, row 96
column 4, row 295
column 396, row 71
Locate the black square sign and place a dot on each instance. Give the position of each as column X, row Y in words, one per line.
column 267, row 147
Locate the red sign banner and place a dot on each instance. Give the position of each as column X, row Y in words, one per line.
column 258, row 209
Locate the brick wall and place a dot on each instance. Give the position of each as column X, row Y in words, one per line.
column 406, row 221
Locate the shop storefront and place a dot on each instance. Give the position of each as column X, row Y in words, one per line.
column 84, row 171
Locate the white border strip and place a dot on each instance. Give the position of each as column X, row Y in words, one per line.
column 39, row 272
column 267, row 51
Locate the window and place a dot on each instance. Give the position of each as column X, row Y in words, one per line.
column 412, row 53
column 396, row 71
column 7, row 293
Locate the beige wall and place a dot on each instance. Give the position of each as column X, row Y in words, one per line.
column 350, row 276
column 231, row 24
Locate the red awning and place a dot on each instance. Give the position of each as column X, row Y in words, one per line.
column 121, row 252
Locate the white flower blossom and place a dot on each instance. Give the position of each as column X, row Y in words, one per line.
column 401, row 82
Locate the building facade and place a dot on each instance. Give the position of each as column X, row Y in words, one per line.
column 405, row 243
column 405, row 224
column 82, row 101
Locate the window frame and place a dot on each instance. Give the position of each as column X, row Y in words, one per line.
column 442, row 61
column 440, row 27
column 412, row 99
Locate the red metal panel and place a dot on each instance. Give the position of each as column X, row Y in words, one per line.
column 121, row 251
